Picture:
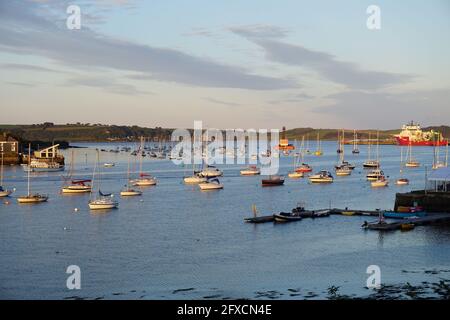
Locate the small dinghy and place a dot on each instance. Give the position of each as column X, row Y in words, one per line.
column 272, row 181
column 287, row 217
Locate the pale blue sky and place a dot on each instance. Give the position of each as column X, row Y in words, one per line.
column 246, row 64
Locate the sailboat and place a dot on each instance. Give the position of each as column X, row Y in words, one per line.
column 437, row 163
column 355, row 143
column 411, row 163
column 343, row 169
column 318, row 151
column 128, row 191
column 370, row 163
column 339, row 149
column 401, row 181
column 196, row 176
column 31, row 198
column 144, row 179
column 210, row 184
column 75, row 186
column 296, row 174
column 3, row 192
column 102, row 201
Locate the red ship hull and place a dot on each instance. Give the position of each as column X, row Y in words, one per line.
column 404, row 141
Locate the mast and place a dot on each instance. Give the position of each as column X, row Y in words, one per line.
column 369, row 156
column 1, row 172
column 93, row 174
column 141, row 149
column 378, row 147
column 342, row 147
column 29, row 168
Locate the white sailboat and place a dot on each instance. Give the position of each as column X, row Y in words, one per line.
column 102, row 201
column 250, row 171
column 343, row 168
column 411, row 163
column 401, row 181
column 296, row 158
column 437, row 163
column 31, row 197
column 128, row 191
column 211, row 184
column 355, row 143
column 318, row 151
column 196, row 176
column 144, row 179
column 75, row 186
column 3, row 191
column 370, row 163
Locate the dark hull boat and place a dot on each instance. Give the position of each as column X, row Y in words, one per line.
column 287, row 217
column 272, row 181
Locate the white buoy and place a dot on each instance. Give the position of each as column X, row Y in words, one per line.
column 76, row 209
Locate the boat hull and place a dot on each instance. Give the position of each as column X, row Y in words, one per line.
column 271, row 183
column 130, row 193
column 249, row 173
column 32, row 199
column 320, row 180
column 5, row 193
column 286, row 218
column 102, row 206
column 75, row 189
column 403, row 215
column 210, row 186
column 144, row 183
column 194, row 180
column 404, row 141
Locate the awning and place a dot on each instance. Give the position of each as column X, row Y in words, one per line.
column 441, row 174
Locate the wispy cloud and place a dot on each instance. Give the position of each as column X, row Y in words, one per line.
column 387, row 110
column 325, row 64
column 221, row 102
column 27, row 30
column 21, row 84
column 105, row 84
column 26, row 67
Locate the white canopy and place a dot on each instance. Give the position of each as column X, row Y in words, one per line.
column 441, row 174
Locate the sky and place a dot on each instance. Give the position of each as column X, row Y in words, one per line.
column 229, row 63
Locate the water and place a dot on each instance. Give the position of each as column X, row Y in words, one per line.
column 177, row 237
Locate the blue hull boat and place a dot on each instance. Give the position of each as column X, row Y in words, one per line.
column 403, row 215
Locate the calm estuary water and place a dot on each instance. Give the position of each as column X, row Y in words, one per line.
column 178, row 242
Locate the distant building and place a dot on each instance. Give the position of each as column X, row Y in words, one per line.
column 9, row 145
column 47, row 153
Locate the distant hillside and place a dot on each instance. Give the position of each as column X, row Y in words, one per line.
column 331, row 134
column 48, row 132
column 83, row 132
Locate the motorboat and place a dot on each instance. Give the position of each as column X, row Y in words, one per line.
column 321, row 177
column 343, row 170
column 371, row 164
column 380, row 182
column 109, row 165
column 272, row 181
column 287, row 217
column 304, row 167
column 250, row 171
column 402, row 182
column 211, row 172
column 375, row 174
column 211, row 184
column 295, row 175
column 41, row 166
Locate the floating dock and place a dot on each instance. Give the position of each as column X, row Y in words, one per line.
column 432, row 218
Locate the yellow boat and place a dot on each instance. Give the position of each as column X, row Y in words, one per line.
column 348, row 213
column 407, row 226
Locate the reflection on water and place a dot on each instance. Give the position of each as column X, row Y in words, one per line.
column 175, row 237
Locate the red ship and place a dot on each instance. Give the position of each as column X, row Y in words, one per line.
column 412, row 134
